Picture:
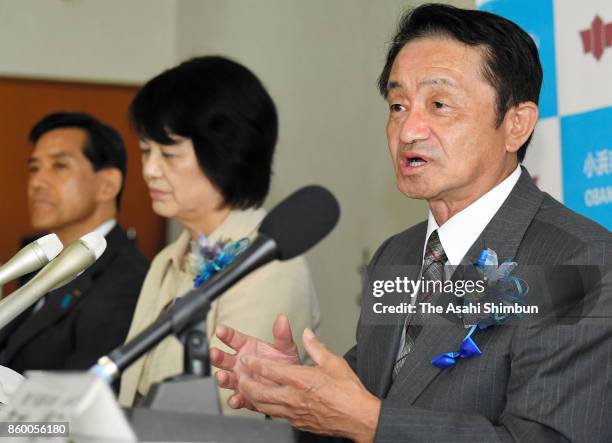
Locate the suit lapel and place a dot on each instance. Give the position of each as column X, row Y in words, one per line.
column 382, row 345
column 418, row 371
column 503, row 234
column 60, row 302
column 379, row 345
column 506, row 230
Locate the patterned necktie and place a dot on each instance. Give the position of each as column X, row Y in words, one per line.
column 432, row 270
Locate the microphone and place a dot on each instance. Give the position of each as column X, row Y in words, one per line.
column 31, row 258
column 71, row 262
column 290, row 229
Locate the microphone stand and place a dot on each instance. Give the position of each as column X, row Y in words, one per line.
column 196, row 359
column 193, row 391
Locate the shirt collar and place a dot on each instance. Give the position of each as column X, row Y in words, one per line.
column 106, row 227
column 461, row 230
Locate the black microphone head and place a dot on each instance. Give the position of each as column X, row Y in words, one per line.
column 301, row 220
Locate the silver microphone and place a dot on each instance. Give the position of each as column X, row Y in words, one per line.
column 31, row 258
column 71, row 262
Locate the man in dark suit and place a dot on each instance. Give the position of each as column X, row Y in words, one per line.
column 77, row 169
column 462, row 88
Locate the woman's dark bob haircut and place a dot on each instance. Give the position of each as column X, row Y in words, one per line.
column 228, row 115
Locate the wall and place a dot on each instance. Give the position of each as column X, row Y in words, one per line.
column 93, row 40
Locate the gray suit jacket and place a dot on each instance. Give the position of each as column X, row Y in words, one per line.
column 547, row 382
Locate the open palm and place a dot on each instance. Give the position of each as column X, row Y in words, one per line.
column 231, row 368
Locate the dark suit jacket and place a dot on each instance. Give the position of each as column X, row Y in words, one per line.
column 82, row 320
column 546, row 382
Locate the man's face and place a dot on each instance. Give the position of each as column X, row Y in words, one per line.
column 441, row 130
column 62, row 184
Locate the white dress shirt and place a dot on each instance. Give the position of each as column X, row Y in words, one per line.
column 460, row 231
column 106, row 227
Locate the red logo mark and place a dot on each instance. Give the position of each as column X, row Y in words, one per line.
column 598, row 38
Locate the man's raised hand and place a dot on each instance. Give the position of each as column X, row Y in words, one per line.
column 231, row 369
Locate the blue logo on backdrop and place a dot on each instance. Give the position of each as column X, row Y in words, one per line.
column 586, row 145
column 537, row 18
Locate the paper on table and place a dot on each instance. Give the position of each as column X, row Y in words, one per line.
column 82, row 399
column 9, row 382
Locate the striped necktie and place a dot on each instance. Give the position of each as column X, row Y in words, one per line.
column 432, row 270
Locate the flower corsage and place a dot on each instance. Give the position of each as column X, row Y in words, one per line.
column 502, row 288
column 205, row 260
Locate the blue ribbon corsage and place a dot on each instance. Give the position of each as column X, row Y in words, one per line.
column 501, row 288
column 206, row 260
column 467, row 349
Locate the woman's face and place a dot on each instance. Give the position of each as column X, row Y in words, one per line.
column 177, row 186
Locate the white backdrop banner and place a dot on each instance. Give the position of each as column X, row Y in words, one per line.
column 571, row 153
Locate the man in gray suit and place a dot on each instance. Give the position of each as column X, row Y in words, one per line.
column 462, row 88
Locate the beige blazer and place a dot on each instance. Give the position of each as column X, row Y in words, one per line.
column 251, row 305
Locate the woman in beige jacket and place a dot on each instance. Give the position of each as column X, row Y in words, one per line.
column 208, row 130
